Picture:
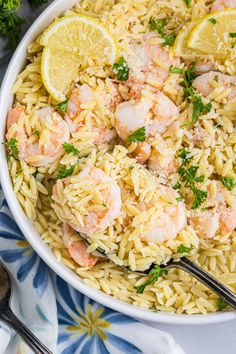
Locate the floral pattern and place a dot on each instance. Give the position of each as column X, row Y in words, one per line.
column 20, row 251
column 86, row 327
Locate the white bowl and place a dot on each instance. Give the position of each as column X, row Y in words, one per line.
column 6, row 98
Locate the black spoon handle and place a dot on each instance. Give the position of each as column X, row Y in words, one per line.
column 29, row 338
column 204, row 277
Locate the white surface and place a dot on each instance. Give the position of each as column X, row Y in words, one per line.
column 204, row 339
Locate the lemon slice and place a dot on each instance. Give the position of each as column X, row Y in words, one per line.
column 72, row 43
column 180, row 47
column 212, row 34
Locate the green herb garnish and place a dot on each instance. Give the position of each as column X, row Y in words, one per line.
column 229, row 183
column 36, row 133
column 138, row 135
column 187, row 2
column 184, row 249
column 68, row 148
column 188, row 176
column 221, row 304
column 158, row 25
column 216, row 78
column 175, row 70
column 121, row 69
column 156, row 272
column 233, row 34
column 12, row 147
column 65, row 172
column 104, row 205
column 62, row 107
column 212, row 20
column 169, row 39
column 177, row 186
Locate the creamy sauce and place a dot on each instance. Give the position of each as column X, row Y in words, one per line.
column 4, row 283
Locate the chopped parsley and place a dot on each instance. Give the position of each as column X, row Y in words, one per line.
column 36, row 132
column 233, row 34
column 229, row 183
column 169, row 39
column 177, row 185
column 212, row 20
column 190, row 93
column 159, row 26
column 65, row 172
column 131, row 168
column 104, row 205
column 187, row 2
column 12, row 147
column 184, row 249
column 156, row 272
column 188, row 176
column 221, row 304
column 62, row 107
column 138, row 135
column 216, row 78
column 121, row 69
column 68, row 148
column 175, row 70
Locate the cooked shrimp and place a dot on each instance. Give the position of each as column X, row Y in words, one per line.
column 45, row 147
column 222, row 4
column 156, row 115
column 149, row 63
column 220, row 219
column 205, row 83
column 171, row 220
column 142, row 152
column 80, row 95
column 103, row 205
column 202, row 67
column 77, row 248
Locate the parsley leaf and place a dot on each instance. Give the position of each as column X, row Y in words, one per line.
column 233, row 34
column 221, row 304
column 187, row 2
column 36, row 133
column 189, row 76
column 212, row 20
column 188, row 176
column 62, row 107
column 177, row 186
column 158, row 25
column 68, row 148
column 199, row 197
column 184, row 249
column 65, row 172
column 12, row 147
column 216, row 78
column 229, row 183
column 169, row 39
column 175, row 70
column 199, row 108
column 121, row 69
column 138, row 135
column 156, row 272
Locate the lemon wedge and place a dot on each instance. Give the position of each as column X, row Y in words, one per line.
column 72, row 43
column 180, row 47
column 214, row 33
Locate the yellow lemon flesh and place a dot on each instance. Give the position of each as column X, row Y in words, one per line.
column 72, row 43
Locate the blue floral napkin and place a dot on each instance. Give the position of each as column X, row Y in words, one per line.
column 64, row 319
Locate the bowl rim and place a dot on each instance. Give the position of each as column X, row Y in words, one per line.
column 56, row 8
